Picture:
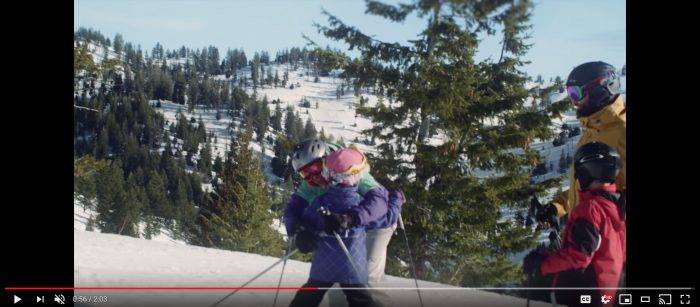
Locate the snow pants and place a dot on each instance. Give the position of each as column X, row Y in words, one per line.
column 377, row 243
column 355, row 297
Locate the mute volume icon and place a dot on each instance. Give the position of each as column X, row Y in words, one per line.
column 59, row 298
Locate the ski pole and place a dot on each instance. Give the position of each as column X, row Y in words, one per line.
column 410, row 257
column 326, row 212
column 279, row 283
column 347, row 254
column 553, row 298
column 284, row 258
column 529, row 284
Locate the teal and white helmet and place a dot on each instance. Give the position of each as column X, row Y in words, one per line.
column 309, row 150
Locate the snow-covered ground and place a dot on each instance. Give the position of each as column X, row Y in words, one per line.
column 108, row 260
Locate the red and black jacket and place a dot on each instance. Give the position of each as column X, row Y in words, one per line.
column 593, row 241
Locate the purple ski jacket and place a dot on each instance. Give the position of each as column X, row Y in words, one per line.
column 329, row 262
column 374, row 211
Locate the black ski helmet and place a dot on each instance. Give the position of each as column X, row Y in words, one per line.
column 600, row 95
column 596, row 161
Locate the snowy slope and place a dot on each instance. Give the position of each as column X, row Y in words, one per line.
column 120, row 261
column 335, row 116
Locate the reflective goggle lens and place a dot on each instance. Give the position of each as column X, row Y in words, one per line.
column 575, row 92
column 310, row 170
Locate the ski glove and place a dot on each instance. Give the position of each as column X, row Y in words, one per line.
column 532, row 262
column 545, row 215
column 554, row 240
column 305, row 241
column 397, row 197
column 337, row 223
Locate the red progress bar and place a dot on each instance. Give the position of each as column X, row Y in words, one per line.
column 159, row 288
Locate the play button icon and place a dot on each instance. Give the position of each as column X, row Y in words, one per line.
column 17, row 299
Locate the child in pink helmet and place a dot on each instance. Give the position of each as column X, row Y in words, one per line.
column 329, row 215
column 345, row 166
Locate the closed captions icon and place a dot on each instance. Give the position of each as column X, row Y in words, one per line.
column 585, row 299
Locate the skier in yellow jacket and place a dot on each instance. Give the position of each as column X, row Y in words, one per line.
column 594, row 88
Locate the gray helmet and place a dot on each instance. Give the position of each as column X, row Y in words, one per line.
column 309, row 150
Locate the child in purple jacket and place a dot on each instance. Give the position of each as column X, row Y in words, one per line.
column 343, row 169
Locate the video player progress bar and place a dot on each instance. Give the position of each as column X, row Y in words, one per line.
column 10, row 289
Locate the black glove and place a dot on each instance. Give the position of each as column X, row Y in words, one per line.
column 532, row 262
column 305, row 241
column 554, row 240
column 337, row 223
column 545, row 215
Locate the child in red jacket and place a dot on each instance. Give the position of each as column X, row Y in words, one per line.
column 593, row 250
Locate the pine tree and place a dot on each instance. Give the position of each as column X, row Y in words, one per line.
column 118, row 44
column 262, row 121
column 453, row 215
column 298, row 127
column 218, row 165
column 156, row 191
column 136, row 202
column 269, row 78
column 115, row 212
column 193, row 94
column 279, row 162
column 85, row 171
column 309, row 129
column 276, row 120
column 90, row 225
column 179, row 88
column 289, row 127
column 204, row 163
column 225, row 95
column 322, row 135
column 243, row 221
column 201, row 134
column 254, row 73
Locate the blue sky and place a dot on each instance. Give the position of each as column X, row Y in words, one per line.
column 565, row 32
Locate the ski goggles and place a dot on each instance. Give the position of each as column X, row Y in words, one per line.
column 314, row 168
column 313, row 174
column 353, row 171
column 578, row 92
